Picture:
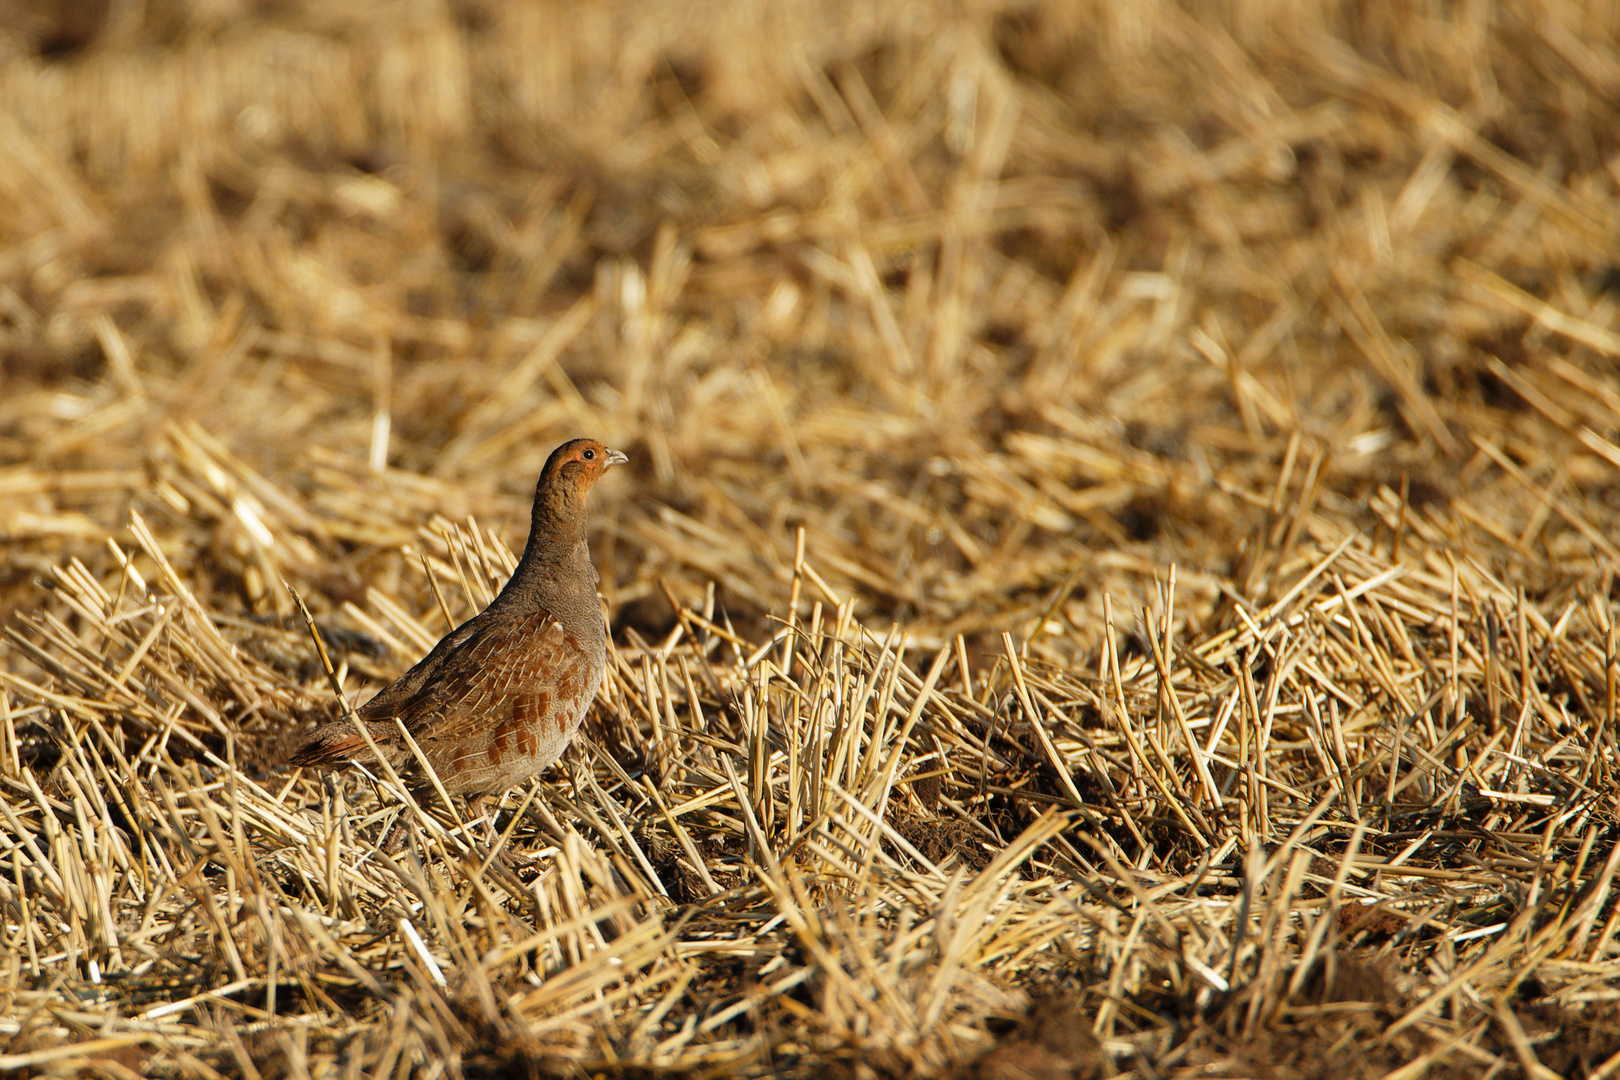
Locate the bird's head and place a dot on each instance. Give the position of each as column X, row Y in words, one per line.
column 576, row 465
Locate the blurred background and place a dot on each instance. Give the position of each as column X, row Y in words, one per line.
column 1005, row 304
column 1013, row 314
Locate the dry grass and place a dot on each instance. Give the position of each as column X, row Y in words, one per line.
column 1117, row 573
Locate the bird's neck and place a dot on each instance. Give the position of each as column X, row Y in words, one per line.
column 556, row 565
column 554, row 533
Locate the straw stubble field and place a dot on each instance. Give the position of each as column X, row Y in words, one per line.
column 1116, row 574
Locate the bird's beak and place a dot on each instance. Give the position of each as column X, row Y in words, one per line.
column 615, row 457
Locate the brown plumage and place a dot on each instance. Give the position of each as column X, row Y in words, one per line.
column 498, row 699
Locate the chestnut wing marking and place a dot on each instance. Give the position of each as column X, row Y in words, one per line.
column 542, row 716
column 495, row 673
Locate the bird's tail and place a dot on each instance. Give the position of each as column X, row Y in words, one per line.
column 333, row 744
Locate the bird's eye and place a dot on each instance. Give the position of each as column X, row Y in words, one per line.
column 589, row 455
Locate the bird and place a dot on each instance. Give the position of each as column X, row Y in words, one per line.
column 498, row 699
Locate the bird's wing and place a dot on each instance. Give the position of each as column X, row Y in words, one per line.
column 486, row 674
column 387, row 702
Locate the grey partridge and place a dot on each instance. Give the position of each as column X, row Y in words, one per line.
column 499, row 698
